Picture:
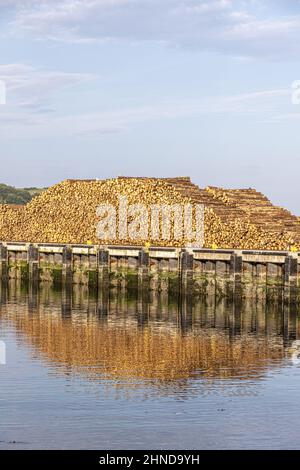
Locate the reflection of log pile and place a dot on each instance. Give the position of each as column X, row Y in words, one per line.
column 120, row 349
column 66, row 213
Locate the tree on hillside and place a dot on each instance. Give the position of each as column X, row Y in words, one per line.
column 11, row 195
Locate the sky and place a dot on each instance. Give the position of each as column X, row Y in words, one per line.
column 102, row 88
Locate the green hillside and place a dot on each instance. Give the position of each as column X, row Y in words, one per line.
column 12, row 195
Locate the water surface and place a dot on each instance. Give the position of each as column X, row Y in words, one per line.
column 118, row 371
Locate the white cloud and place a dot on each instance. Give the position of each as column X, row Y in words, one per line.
column 29, row 86
column 260, row 105
column 241, row 28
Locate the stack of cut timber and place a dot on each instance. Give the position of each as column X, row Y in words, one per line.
column 66, row 213
column 248, row 205
column 260, row 210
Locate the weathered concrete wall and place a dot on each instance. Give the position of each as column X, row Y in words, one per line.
column 184, row 271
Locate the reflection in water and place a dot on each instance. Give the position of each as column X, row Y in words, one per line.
column 155, row 341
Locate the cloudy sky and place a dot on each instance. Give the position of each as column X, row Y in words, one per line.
column 100, row 88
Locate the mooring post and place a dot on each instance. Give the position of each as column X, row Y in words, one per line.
column 291, row 270
column 33, row 263
column 143, row 270
column 236, row 271
column 67, row 261
column 3, row 262
column 236, row 266
column 186, row 262
column 103, row 268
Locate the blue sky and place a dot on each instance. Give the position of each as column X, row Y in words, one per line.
column 100, row 88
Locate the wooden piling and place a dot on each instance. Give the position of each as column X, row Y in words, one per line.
column 103, row 268
column 33, row 263
column 236, row 266
column 143, row 269
column 3, row 262
column 291, row 270
column 186, row 271
column 67, row 265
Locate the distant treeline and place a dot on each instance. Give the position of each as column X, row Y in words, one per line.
column 11, row 195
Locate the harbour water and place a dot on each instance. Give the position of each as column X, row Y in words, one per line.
column 119, row 370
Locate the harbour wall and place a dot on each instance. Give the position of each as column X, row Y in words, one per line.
column 188, row 270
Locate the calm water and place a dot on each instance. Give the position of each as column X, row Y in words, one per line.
column 126, row 372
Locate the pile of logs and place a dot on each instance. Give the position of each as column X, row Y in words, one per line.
column 66, row 213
